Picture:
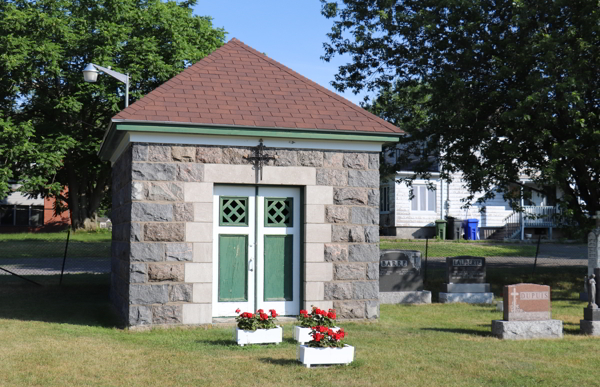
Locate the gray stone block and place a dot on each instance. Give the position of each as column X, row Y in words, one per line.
column 591, row 314
column 351, row 196
column 190, row 172
column 338, row 290
column 180, row 293
column 139, row 152
column 333, row 160
column 154, row 171
column 466, row 288
column 209, row 155
column 148, row 294
column 413, row 297
column 524, row 330
column 179, row 252
column 332, row 177
column 356, row 160
column 337, row 214
column 374, row 161
column 165, row 272
column 151, row 212
column 363, row 253
column 159, row 152
column 165, row 192
column 140, row 315
column 167, row 314
column 185, row 154
column 310, row 158
column 336, row 253
column 373, row 271
column 591, row 328
column 373, row 198
column 469, row 298
column 350, row 309
column 363, row 179
column 147, row 252
column 365, row 215
column 349, row 271
column 137, row 191
column 167, row 232
column 183, row 212
column 138, row 273
column 238, row 156
column 284, row 158
column 372, row 234
column 343, row 233
column 135, row 232
column 365, row 290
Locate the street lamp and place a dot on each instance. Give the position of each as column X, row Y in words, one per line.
column 90, row 74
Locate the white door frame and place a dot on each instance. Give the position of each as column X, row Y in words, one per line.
column 256, row 232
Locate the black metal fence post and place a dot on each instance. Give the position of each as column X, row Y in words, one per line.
column 65, row 258
column 426, row 251
column 537, row 250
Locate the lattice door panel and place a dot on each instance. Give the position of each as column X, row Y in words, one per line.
column 233, row 211
column 278, row 212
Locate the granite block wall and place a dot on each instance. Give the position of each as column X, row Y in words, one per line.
column 162, row 255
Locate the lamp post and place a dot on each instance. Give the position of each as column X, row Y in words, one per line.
column 90, row 74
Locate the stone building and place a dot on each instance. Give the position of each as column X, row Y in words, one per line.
column 241, row 184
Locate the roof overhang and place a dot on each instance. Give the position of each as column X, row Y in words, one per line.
column 118, row 130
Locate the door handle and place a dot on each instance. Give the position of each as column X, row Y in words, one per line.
column 250, row 265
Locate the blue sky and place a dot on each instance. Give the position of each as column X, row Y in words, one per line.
column 290, row 31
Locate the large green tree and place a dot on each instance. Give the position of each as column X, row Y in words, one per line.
column 496, row 89
column 44, row 46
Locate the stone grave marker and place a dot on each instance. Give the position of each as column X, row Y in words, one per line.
column 465, row 270
column 527, row 314
column 401, row 278
column 527, row 302
column 400, row 271
column 590, row 325
column 465, row 281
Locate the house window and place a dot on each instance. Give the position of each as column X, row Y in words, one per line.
column 384, row 199
column 423, row 199
column 12, row 215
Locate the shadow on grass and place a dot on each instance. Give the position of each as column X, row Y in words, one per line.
column 281, row 362
column 82, row 299
column 219, row 343
column 460, row 330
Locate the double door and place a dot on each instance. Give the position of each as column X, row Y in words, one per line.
column 256, row 249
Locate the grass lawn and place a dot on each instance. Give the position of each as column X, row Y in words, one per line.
column 65, row 336
column 44, row 245
column 455, row 248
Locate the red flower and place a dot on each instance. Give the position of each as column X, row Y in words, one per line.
column 330, row 332
column 317, row 336
column 273, row 313
column 303, row 312
column 331, row 315
column 250, row 315
column 317, row 311
column 237, row 310
column 322, row 329
column 260, row 311
column 263, row 316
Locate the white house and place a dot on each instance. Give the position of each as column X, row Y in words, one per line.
column 436, row 199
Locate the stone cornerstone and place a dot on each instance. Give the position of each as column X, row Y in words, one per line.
column 162, row 227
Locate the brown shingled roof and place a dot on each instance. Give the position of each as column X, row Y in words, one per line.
column 237, row 85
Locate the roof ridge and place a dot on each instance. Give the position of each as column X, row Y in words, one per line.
column 295, row 74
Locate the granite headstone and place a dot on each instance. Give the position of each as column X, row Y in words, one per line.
column 465, row 270
column 527, row 302
column 400, row 271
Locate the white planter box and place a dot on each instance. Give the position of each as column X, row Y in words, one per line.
column 302, row 335
column 314, row 356
column 259, row 336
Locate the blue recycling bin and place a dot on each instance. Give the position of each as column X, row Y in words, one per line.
column 470, row 227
